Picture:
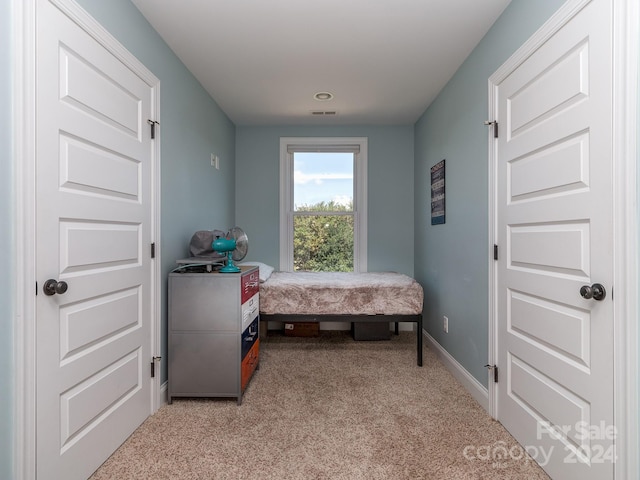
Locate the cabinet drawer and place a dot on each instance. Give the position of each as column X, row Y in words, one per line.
column 249, row 337
column 250, row 284
column 250, row 310
column 203, row 364
column 249, row 364
column 203, row 303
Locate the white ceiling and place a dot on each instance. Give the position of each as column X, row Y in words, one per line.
column 263, row 60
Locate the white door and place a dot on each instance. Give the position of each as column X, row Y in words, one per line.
column 93, row 207
column 554, row 217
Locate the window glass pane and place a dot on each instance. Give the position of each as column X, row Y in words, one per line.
column 322, row 181
column 323, row 243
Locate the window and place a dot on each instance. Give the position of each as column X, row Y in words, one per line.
column 323, row 202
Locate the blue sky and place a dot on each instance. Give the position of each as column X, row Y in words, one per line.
column 322, row 177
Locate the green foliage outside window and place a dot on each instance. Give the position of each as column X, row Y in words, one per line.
column 323, row 243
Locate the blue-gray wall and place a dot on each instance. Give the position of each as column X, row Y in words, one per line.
column 451, row 260
column 390, row 189
column 7, row 287
column 195, row 196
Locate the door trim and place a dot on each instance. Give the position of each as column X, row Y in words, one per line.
column 24, row 218
column 626, row 51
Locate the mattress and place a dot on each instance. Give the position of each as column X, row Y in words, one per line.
column 340, row 293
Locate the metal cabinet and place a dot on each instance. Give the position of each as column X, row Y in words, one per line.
column 214, row 342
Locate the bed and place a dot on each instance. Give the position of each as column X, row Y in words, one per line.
column 343, row 297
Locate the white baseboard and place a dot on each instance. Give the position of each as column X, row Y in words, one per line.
column 468, row 381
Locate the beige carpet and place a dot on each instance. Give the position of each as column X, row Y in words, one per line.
column 328, row 408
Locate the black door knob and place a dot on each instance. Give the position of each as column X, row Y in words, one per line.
column 595, row 291
column 598, row 291
column 586, row 292
column 51, row 287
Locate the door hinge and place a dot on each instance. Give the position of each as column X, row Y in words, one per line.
column 153, row 124
column 153, row 250
column 36, row 289
column 153, row 366
column 493, row 368
column 495, row 252
column 495, row 127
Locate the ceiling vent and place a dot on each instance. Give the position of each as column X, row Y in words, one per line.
column 321, row 113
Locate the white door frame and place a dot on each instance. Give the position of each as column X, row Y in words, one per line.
column 626, row 51
column 23, row 15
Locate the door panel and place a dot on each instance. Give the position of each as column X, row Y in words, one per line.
column 559, row 329
column 541, row 396
column 91, row 170
column 550, row 249
column 87, row 246
column 93, row 173
column 99, row 94
column 554, row 210
column 528, row 176
column 556, row 87
column 86, row 404
column 95, row 321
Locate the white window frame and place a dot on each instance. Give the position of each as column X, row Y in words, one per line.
column 321, row 144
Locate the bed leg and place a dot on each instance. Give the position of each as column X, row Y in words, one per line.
column 263, row 328
column 397, row 328
column 419, row 334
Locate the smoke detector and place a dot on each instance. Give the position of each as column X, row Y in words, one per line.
column 323, row 96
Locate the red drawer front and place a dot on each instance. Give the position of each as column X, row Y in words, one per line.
column 250, row 285
column 249, row 364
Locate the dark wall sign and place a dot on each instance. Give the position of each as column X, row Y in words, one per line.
column 437, row 194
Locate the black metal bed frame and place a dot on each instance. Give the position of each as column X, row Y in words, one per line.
column 292, row 318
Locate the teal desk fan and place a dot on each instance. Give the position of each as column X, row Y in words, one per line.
column 235, row 245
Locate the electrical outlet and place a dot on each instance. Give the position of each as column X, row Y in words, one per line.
column 215, row 161
column 445, row 324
